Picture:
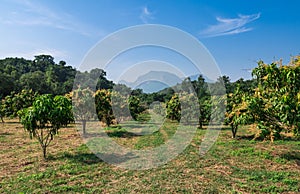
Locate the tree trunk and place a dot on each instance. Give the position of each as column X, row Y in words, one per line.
column 44, row 152
column 234, row 130
column 200, row 124
column 84, row 127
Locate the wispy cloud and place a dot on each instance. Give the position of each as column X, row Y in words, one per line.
column 146, row 15
column 230, row 26
column 35, row 14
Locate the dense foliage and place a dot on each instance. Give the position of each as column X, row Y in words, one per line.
column 236, row 110
column 275, row 104
column 14, row 102
column 45, row 117
column 173, row 108
column 44, row 76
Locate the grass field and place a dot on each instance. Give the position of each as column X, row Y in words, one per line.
column 230, row 166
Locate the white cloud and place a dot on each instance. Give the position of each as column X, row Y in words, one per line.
column 146, row 15
column 229, row 26
column 35, row 14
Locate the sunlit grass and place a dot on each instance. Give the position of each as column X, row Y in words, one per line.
column 230, row 166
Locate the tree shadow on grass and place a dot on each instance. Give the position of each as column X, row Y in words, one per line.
column 132, row 125
column 84, row 158
column 116, row 158
column 247, row 137
column 122, row 134
column 91, row 158
column 288, row 138
column 292, row 156
column 226, row 128
column 112, row 133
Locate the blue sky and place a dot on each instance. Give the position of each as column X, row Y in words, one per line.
column 237, row 33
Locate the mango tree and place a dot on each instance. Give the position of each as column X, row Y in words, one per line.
column 104, row 106
column 237, row 110
column 173, row 108
column 117, row 100
column 45, row 117
column 202, row 91
column 276, row 101
column 83, row 103
column 205, row 111
column 184, row 106
column 135, row 107
column 17, row 101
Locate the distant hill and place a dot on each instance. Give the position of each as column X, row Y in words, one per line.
column 154, row 81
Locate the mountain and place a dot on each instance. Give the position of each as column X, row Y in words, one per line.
column 153, row 81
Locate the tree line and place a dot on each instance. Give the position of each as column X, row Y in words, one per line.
column 44, row 76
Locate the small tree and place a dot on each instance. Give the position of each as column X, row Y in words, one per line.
column 117, row 101
column 135, row 107
column 83, row 104
column 218, row 108
column 45, row 117
column 173, row 108
column 205, row 111
column 17, row 101
column 237, row 110
column 103, row 106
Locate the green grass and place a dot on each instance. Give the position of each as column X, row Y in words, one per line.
column 230, row 166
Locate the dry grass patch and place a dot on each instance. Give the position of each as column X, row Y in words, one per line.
column 230, row 166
